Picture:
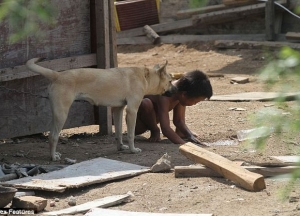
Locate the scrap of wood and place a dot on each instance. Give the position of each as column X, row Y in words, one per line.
column 270, row 20
column 231, row 14
column 174, row 39
column 151, row 34
column 239, row 44
column 255, row 96
column 85, row 173
column 240, row 80
column 187, row 13
column 19, row 72
column 289, row 160
column 111, row 212
column 202, row 171
column 292, row 36
column 228, row 169
column 238, row 2
column 162, row 27
column 103, row 202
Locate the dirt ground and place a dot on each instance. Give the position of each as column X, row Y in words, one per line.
column 212, row 120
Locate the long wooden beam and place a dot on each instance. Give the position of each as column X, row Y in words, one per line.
column 228, row 169
column 19, row 72
column 238, row 44
column 202, row 171
column 231, row 14
column 162, row 27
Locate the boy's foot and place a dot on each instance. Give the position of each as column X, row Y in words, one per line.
column 155, row 136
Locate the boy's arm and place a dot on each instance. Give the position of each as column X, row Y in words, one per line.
column 179, row 122
column 163, row 114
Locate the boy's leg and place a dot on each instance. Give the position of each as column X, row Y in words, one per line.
column 146, row 120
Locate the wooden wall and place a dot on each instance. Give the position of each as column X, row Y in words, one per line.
column 24, row 106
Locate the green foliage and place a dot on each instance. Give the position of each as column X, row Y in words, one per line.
column 25, row 17
column 197, row 3
column 281, row 73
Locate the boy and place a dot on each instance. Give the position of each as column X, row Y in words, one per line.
column 192, row 87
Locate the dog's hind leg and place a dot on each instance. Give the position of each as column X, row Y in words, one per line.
column 60, row 112
column 118, row 116
column 131, row 113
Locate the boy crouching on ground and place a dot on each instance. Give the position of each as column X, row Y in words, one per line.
column 192, row 87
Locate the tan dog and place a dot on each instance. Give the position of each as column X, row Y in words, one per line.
column 115, row 87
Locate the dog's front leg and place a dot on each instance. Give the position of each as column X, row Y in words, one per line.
column 131, row 113
column 118, row 116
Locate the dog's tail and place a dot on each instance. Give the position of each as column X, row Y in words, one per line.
column 48, row 73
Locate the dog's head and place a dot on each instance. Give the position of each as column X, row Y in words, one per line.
column 164, row 83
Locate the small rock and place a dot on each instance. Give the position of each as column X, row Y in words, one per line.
column 293, row 199
column 163, row 209
column 52, row 203
column 30, row 202
column 56, row 199
column 162, row 165
column 72, row 201
column 240, row 80
column 70, row 161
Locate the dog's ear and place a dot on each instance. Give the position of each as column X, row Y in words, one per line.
column 162, row 69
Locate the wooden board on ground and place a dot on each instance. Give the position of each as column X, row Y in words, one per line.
column 228, row 169
column 288, row 160
column 104, row 202
column 254, row 96
column 89, row 172
column 292, row 36
column 240, row 44
column 110, row 212
column 202, row 171
column 174, row 38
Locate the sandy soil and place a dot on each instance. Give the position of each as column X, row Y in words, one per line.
column 214, row 121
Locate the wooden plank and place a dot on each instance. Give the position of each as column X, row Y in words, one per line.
column 231, row 14
column 187, row 13
column 238, row 2
column 228, row 169
column 288, row 160
column 104, row 13
column 111, row 212
column 158, row 28
column 270, row 20
column 202, row 171
column 173, row 39
column 292, row 36
column 238, row 44
column 151, row 34
column 19, row 72
column 254, row 96
column 103, row 202
column 89, row 172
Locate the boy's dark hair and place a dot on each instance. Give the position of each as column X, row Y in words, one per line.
column 195, row 84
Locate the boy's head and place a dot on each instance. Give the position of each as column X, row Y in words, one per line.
column 195, row 84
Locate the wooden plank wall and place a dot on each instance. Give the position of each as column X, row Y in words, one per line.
column 289, row 22
column 24, row 107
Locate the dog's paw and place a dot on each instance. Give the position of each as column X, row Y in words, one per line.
column 124, row 147
column 56, row 156
column 136, row 150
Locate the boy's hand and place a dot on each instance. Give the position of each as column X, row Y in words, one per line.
column 196, row 140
